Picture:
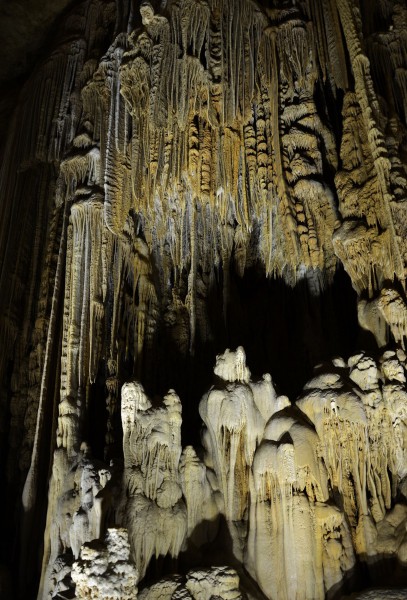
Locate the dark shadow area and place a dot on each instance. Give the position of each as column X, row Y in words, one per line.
column 201, row 554
column 370, row 573
column 95, row 427
column 285, row 331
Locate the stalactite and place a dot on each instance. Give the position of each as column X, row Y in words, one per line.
column 368, row 103
column 30, row 491
column 194, row 132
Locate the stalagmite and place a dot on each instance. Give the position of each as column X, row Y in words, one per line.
column 155, row 513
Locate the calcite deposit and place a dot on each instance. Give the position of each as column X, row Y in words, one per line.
column 203, row 305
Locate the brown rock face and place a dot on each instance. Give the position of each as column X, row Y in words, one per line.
column 179, row 177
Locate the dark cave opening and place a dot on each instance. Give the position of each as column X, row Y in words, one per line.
column 286, row 331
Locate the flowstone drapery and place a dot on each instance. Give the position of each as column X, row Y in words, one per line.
column 179, row 177
column 304, row 490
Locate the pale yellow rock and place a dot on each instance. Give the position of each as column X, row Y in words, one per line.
column 105, row 571
column 218, row 582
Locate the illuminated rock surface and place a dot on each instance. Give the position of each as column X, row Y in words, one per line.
column 180, row 177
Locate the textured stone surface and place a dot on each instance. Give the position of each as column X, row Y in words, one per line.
column 173, row 172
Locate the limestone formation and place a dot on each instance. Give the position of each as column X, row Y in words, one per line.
column 104, row 569
column 180, row 177
column 218, row 582
column 305, row 491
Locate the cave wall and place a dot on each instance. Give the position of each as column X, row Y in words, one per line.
column 180, row 178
